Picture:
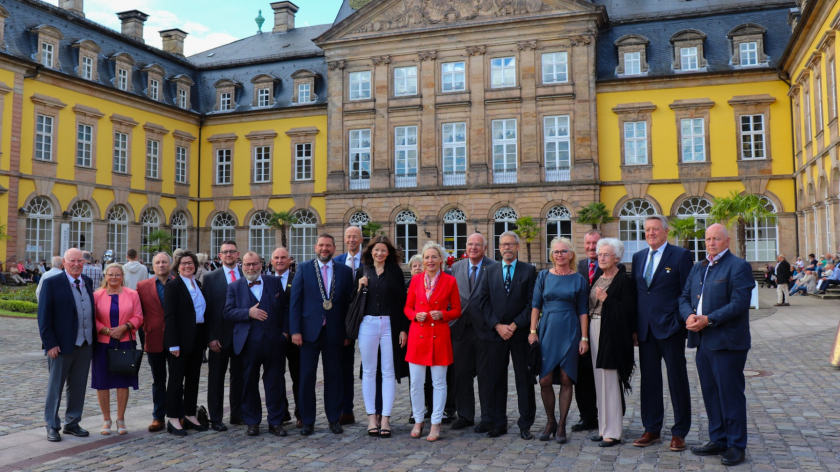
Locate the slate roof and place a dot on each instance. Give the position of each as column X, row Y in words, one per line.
column 263, row 47
column 343, row 12
column 629, row 10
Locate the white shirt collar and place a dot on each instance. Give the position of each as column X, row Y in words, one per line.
column 661, row 248
column 722, row 253
column 72, row 280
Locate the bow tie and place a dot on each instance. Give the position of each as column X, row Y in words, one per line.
column 256, row 282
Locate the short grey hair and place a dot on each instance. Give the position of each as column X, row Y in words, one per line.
column 87, row 256
column 660, row 218
column 483, row 237
column 56, row 262
column 509, row 234
column 615, row 244
column 415, row 258
column 165, row 254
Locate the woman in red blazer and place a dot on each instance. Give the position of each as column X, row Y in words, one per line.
column 433, row 301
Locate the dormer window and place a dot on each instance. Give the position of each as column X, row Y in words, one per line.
column 154, row 89
column 263, row 90
column 303, row 93
column 688, row 51
column 48, row 39
column 748, row 45
column 262, row 97
column 122, row 79
column 182, row 98
column 304, row 86
column 225, row 102
column 47, row 54
column 632, row 55
column 87, row 68
column 122, row 71
column 688, row 58
column 88, row 54
column 182, row 94
column 226, row 94
column 154, row 76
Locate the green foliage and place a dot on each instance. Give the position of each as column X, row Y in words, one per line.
column 684, row 230
column 594, row 214
column 26, row 293
column 158, row 240
column 528, row 231
column 372, row 230
column 281, row 221
column 3, row 235
column 735, row 210
column 19, row 306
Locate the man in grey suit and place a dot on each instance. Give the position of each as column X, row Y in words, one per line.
column 468, row 273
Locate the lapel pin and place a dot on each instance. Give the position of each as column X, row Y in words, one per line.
column 668, row 270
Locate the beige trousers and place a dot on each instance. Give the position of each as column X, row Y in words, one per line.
column 607, row 389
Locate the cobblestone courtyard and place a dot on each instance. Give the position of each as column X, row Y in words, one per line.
column 792, row 392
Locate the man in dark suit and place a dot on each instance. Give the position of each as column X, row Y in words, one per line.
column 220, row 334
column 661, row 272
column 280, row 263
column 321, row 293
column 256, row 304
column 468, row 274
column 782, row 279
column 505, row 294
column 66, row 321
column 352, row 259
column 715, row 305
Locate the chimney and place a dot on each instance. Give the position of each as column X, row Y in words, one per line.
column 76, row 7
column 284, row 16
column 132, row 23
column 173, row 41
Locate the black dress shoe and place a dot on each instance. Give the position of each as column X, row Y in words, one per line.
column 733, row 456
column 525, row 434
column 447, row 417
column 584, row 426
column 287, row 417
column 462, row 423
column 253, row 430
column 307, row 429
column 596, row 438
column 708, row 449
column 196, row 427
column 278, row 430
column 336, row 428
column 236, row 421
column 610, row 443
column 52, row 435
column 496, row 432
column 76, row 431
column 218, row 426
column 481, row 428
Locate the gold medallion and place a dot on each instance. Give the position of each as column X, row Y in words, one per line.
column 327, row 305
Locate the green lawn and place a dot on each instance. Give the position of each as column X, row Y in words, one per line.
column 17, row 315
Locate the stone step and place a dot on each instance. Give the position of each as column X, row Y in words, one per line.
column 827, row 295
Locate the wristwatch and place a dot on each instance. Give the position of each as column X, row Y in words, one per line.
column 533, row 331
column 584, row 339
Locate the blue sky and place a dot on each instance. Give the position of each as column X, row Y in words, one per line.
column 210, row 23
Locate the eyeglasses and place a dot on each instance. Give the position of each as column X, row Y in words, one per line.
column 604, row 256
column 113, row 275
column 187, row 264
column 252, row 264
column 234, row 251
column 508, row 245
column 562, row 252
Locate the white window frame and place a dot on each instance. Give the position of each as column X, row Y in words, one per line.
column 154, row 89
column 406, row 234
column 818, row 101
column 303, row 235
column 120, row 152
column 304, row 95
column 405, row 156
column 454, row 153
column 222, row 228
column 180, row 165
column 832, row 84
column 763, row 237
column 224, row 166
column 39, row 229
column 44, row 137
column 555, row 67
column 47, row 54
column 149, row 222
column 262, row 164
column 806, row 107
column 699, row 208
column 152, row 159
column 631, row 225
column 81, row 226
column 117, row 234
column 748, row 53
column 505, row 145
column 225, row 102
column 405, row 81
column 179, row 230
column 752, row 140
column 261, row 235
column 557, row 150
column 303, row 161
column 503, row 72
column 360, row 157
column 455, row 232
column 263, row 97
column 634, row 141
column 689, row 59
column 360, row 85
column 558, row 224
column 633, row 63
column 87, row 67
column 691, row 139
column 122, row 79
column 503, row 220
column 182, row 99
column 453, row 77
column 84, row 145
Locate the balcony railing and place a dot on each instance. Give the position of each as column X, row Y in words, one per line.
column 504, row 177
column 405, row 181
column 454, row 178
column 558, row 175
column 359, row 184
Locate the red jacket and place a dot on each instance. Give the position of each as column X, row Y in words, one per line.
column 152, row 315
column 130, row 311
column 429, row 342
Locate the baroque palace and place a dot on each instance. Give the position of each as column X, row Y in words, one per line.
column 432, row 118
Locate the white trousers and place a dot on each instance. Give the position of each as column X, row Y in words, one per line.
column 607, row 391
column 782, row 291
column 418, row 402
column 375, row 336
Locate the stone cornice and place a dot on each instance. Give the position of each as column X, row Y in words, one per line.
column 49, row 102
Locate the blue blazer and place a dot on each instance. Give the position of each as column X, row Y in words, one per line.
column 306, row 311
column 273, row 301
column 726, row 301
column 658, row 304
column 58, row 320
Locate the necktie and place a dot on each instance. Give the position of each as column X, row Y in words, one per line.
column 354, row 263
column 591, row 272
column 232, row 275
column 78, row 287
column 256, row 282
column 507, row 278
column 649, row 269
column 472, row 276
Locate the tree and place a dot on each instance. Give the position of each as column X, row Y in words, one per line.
column 371, row 230
column 594, row 214
column 736, row 210
column 158, row 240
column 3, row 235
column 685, row 229
column 529, row 231
column 280, row 221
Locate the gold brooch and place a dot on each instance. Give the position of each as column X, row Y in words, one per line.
column 668, row 270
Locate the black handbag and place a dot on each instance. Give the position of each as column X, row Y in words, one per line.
column 124, row 361
column 356, row 313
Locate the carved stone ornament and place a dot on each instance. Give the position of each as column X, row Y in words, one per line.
column 381, row 60
column 575, row 40
column 526, row 44
column 427, row 55
column 333, row 65
column 476, row 50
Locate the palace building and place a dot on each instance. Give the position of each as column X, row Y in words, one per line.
column 432, row 118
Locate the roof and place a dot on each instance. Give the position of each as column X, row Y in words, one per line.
column 630, row 10
column 263, row 47
column 343, row 12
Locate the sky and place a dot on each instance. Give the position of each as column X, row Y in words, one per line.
column 210, row 23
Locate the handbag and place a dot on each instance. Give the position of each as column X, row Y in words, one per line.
column 125, row 361
column 356, row 313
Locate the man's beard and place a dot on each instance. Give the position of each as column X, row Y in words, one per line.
column 252, row 277
column 325, row 259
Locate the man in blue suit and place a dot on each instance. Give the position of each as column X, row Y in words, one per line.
column 661, row 272
column 67, row 323
column 715, row 305
column 353, row 259
column 321, row 293
column 257, row 305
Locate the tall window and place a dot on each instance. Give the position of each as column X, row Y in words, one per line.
column 182, row 99
column 555, row 67
column 154, row 89
column 152, row 159
column 39, row 229
column 405, row 150
column 360, row 219
column 635, row 142
column 261, row 235
column 225, row 103
column 121, row 153
column 263, row 97
column 43, row 137
column 762, row 237
column 118, row 231
column 828, row 225
column 632, row 63
column 816, row 230
column 504, row 220
column 454, row 153
column 224, row 165
column 359, row 159
column 558, row 225
column 503, row 72
column 84, row 145
column 752, row 137
column 818, row 102
column 150, row 222
column 407, row 234
column 303, row 161
column 631, row 226
column 180, row 164
column 455, row 232
column 504, row 151
column 262, row 164
column 699, row 208
column 304, row 93
column 454, row 77
column 360, row 85
column 806, row 107
column 749, row 54
column 405, row 81
column 122, row 79
column 222, row 228
column 557, row 148
column 179, row 230
column 693, row 140
column 81, row 226
column 87, row 68
column 832, row 87
column 688, row 58
column 303, row 236
column 47, row 54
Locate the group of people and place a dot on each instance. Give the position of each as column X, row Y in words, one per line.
column 575, row 325
column 801, row 278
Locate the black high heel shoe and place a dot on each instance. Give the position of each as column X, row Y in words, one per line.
column 173, row 430
column 548, row 433
column 561, row 436
column 190, row 425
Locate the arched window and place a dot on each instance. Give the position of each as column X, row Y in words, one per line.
column 304, row 236
column 699, row 208
column 222, row 229
column 39, row 230
column 81, row 226
column 558, row 224
column 455, row 232
column 118, row 231
column 179, row 230
column 261, row 237
column 150, row 222
column 504, row 220
column 407, row 233
column 762, row 236
column 631, row 226
column 360, row 219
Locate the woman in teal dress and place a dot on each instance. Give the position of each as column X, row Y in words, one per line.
column 561, row 293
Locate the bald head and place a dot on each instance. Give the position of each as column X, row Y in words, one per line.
column 353, row 239
column 476, row 247
column 74, row 260
column 717, row 239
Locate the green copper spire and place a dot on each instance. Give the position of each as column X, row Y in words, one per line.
column 260, row 20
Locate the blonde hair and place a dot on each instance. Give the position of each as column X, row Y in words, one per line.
column 202, row 258
column 110, row 266
column 437, row 247
column 568, row 243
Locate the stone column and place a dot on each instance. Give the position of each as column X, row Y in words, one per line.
column 381, row 168
column 428, row 139
column 529, row 154
column 336, row 177
column 478, row 156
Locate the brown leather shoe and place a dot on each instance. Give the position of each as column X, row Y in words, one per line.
column 157, row 425
column 346, row 419
column 677, row 444
column 647, row 439
column 299, row 423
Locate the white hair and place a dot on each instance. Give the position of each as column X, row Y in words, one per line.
column 615, row 244
column 56, row 262
column 510, row 234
